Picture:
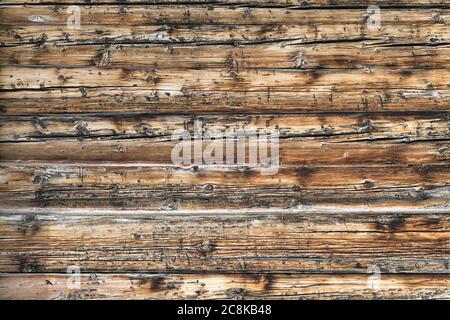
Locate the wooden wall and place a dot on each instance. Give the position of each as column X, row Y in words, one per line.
column 87, row 180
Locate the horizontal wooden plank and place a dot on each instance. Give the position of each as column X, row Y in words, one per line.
column 334, row 127
column 363, row 55
column 20, row 77
column 189, row 286
column 308, row 140
column 117, row 15
column 345, row 4
column 149, row 24
column 277, row 242
column 300, row 151
column 188, row 101
column 36, row 175
column 171, row 188
column 291, row 3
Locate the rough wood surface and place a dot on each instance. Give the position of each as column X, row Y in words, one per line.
column 127, row 101
column 184, row 24
column 333, row 55
column 87, row 179
column 220, row 286
column 277, row 242
column 329, row 127
column 172, row 188
column 250, row 3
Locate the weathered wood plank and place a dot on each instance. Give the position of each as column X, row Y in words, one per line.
column 171, row 188
column 258, row 286
column 345, row 4
column 334, row 127
column 116, row 15
column 363, row 55
column 293, row 151
column 306, row 151
column 185, row 101
column 35, row 175
column 20, row 77
column 277, row 242
column 116, row 24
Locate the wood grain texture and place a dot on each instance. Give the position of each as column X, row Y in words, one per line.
column 220, row 286
column 87, row 178
column 326, row 3
column 171, row 188
column 127, row 101
column 220, row 80
column 329, row 127
column 277, row 242
column 333, row 55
